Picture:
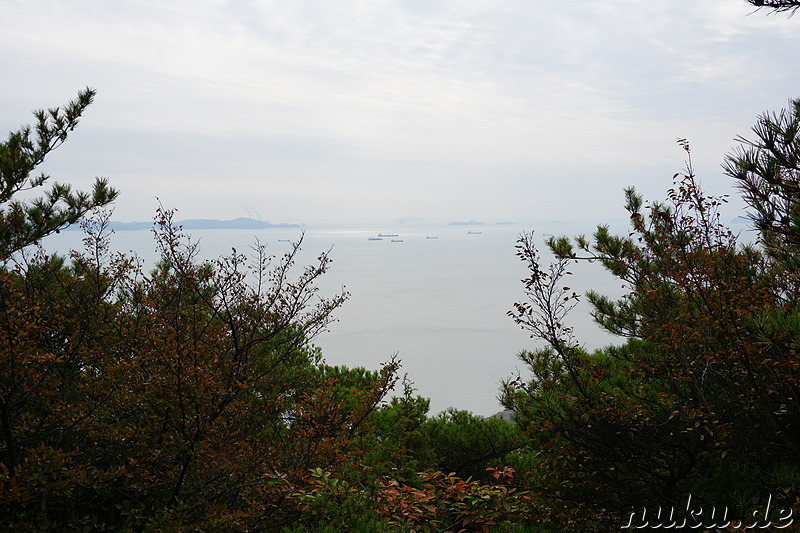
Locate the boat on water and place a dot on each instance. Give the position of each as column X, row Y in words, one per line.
column 375, row 239
column 397, row 240
column 474, row 232
column 387, row 235
column 429, row 237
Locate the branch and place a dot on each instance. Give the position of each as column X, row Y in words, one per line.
column 778, row 6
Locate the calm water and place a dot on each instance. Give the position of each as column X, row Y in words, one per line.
column 439, row 304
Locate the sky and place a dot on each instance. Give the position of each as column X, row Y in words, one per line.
column 366, row 111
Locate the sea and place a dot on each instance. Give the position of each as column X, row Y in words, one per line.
column 436, row 297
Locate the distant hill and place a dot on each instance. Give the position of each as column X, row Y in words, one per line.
column 470, row 223
column 199, row 223
column 236, row 223
column 402, row 221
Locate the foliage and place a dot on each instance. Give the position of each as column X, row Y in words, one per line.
column 189, row 395
column 23, row 223
column 397, row 444
column 441, row 503
column 186, row 398
column 333, row 504
column 449, row 503
column 705, row 386
column 767, row 171
column 467, row 444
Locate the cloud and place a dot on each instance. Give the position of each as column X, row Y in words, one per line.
column 200, row 100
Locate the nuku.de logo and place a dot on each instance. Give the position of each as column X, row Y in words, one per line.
column 708, row 517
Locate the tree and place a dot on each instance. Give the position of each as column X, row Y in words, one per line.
column 23, row 223
column 467, row 444
column 706, row 383
column 26, row 313
column 190, row 396
column 398, row 445
column 767, row 170
column 186, row 398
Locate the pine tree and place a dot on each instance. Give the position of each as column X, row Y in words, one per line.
column 23, row 223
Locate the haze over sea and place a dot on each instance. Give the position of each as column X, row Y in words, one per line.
column 439, row 303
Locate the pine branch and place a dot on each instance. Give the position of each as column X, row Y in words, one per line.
column 778, row 6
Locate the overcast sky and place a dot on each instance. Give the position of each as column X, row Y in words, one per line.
column 368, row 110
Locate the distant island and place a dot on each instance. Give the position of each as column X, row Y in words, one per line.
column 402, row 221
column 200, row 223
column 470, row 223
column 236, row 223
